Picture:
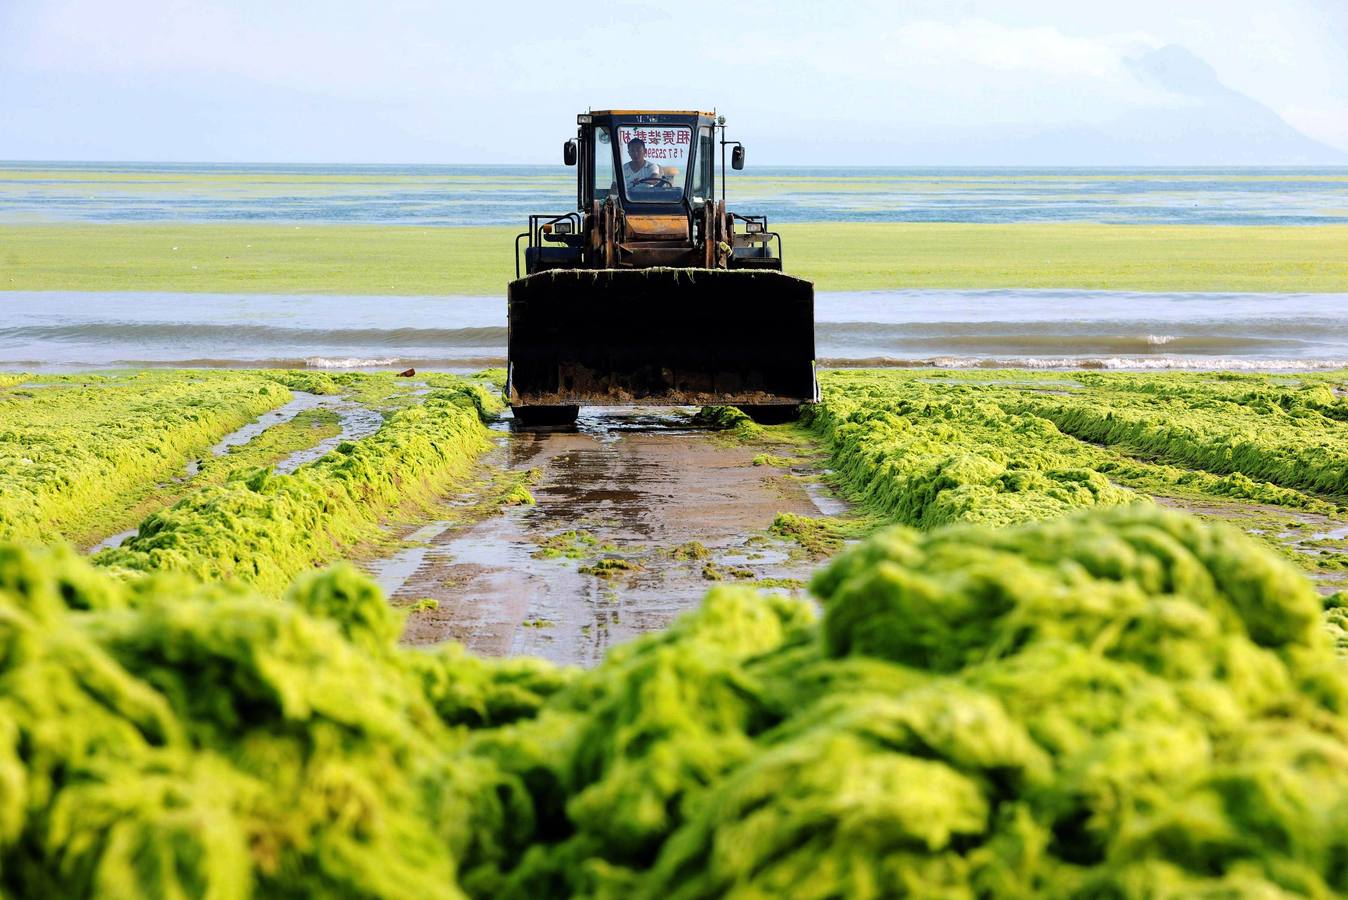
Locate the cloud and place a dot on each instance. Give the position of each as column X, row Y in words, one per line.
column 1002, row 48
column 358, row 51
column 957, row 73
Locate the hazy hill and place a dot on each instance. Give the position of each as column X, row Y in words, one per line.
column 1189, row 118
column 1209, row 122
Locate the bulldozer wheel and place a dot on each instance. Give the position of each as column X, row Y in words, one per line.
column 529, row 416
column 772, row 413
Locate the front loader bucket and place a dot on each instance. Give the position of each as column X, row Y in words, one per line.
column 668, row 337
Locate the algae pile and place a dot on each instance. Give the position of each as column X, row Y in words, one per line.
column 925, row 455
column 1121, row 702
column 927, row 448
column 1038, row 684
column 263, row 528
column 83, row 456
column 1289, row 435
column 73, row 446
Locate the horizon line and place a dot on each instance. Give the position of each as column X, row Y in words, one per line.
column 768, row 165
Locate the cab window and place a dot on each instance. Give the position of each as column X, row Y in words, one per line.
column 654, row 161
column 601, row 176
column 703, row 162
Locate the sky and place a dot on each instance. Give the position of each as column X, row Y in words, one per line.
column 923, row 82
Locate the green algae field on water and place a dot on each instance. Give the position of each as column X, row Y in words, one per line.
column 837, row 256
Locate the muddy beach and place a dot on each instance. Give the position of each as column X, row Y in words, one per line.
column 636, row 514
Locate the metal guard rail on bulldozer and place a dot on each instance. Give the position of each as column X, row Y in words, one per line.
column 537, row 222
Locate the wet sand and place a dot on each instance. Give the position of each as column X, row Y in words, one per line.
column 635, row 489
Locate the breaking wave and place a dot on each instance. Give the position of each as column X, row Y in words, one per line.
column 349, row 362
column 1194, row 363
column 250, row 334
column 1033, row 329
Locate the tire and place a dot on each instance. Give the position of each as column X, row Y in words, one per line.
column 539, row 416
column 772, row 414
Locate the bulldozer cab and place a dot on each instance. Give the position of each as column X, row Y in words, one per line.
column 650, row 292
column 648, row 166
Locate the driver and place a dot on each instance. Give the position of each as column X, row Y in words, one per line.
column 640, row 170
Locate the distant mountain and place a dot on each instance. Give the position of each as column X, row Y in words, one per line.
column 1209, row 123
column 1192, row 119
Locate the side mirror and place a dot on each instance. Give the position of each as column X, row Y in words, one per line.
column 737, row 158
column 569, row 153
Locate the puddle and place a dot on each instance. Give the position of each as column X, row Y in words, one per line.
column 392, row 572
column 113, row 540
column 641, row 514
column 355, row 422
column 302, row 401
column 824, row 499
column 1333, row 534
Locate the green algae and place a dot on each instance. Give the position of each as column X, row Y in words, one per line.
column 926, row 448
column 72, row 451
column 1289, row 437
column 265, row 450
column 712, row 571
column 732, row 422
column 518, row 495
column 786, row 584
column 780, row 462
column 312, row 382
column 496, row 378
column 927, row 455
column 572, row 544
column 275, row 443
column 1336, row 620
column 690, row 550
column 263, row 528
column 1120, row 702
column 837, row 256
column 820, row 536
column 610, row 567
column 298, row 752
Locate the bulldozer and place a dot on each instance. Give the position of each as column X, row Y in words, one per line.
column 650, row 292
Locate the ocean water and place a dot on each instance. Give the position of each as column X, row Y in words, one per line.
column 75, row 331
column 505, row 195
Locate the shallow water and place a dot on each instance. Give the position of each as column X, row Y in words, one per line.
column 72, row 331
column 505, row 195
column 353, row 421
